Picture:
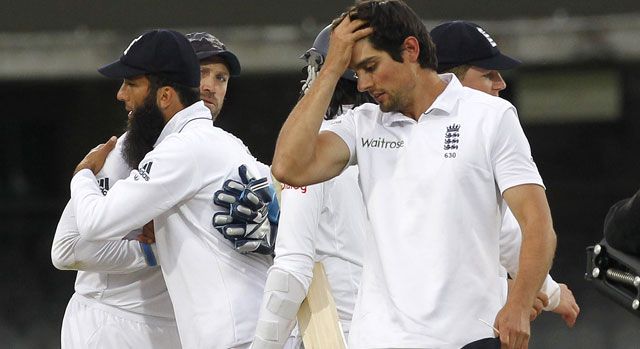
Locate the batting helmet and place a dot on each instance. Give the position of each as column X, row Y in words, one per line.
column 316, row 54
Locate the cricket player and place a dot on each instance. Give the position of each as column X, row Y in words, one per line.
column 120, row 299
column 215, row 291
column 438, row 165
column 468, row 51
column 324, row 223
column 340, row 226
column 217, row 66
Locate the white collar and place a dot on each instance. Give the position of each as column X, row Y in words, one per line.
column 195, row 111
column 445, row 102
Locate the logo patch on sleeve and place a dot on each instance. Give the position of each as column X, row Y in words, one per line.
column 103, row 183
column 144, row 171
column 303, row 189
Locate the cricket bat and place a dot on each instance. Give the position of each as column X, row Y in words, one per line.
column 318, row 317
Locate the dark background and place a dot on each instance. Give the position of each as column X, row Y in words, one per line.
column 36, row 15
column 48, row 125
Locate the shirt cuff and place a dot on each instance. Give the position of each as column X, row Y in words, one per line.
column 552, row 290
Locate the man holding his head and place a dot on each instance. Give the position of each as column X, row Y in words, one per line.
column 438, row 165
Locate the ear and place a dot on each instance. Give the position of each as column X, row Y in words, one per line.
column 165, row 97
column 410, row 49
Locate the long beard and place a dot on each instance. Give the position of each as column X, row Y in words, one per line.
column 143, row 129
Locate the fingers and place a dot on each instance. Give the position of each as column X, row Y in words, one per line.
column 223, row 198
column 111, row 143
column 539, row 303
column 541, row 296
column 355, row 29
column 246, row 246
column 245, row 174
column 520, row 341
column 513, row 340
column 221, row 218
column 233, row 187
column 235, row 230
column 148, row 227
column 536, row 309
column 570, row 319
column 568, row 308
column 95, row 159
column 362, row 33
column 571, row 315
column 513, row 326
column 504, row 339
column 148, row 234
column 106, row 147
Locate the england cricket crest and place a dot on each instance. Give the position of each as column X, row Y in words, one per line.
column 451, row 141
column 452, row 137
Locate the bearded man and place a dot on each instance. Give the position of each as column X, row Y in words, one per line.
column 180, row 161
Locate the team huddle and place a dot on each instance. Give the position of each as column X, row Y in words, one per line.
column 402, row 172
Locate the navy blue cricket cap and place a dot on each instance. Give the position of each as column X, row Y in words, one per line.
column 161, row 52
column 461, row 42
column 207, row 46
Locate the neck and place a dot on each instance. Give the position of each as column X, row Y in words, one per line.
column 428, row 87
column 171, row 111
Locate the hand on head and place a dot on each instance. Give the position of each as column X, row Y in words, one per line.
column 343, row 38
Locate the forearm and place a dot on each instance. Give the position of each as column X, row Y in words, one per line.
column 110, row 217
column 536, row 255
column 510, row 242
column 296, row 145
column 70, row 252
column 115, row 257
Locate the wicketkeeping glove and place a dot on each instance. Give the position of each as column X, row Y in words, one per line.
column 251, row 219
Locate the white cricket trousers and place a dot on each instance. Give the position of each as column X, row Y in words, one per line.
column 88, row 324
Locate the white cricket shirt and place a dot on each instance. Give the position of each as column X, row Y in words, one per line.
column 111, row 272
column 216, row 292
column 432, row 189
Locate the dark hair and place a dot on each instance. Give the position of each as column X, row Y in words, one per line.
column 187, row 95
column 346, row 93
column 392, row 22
